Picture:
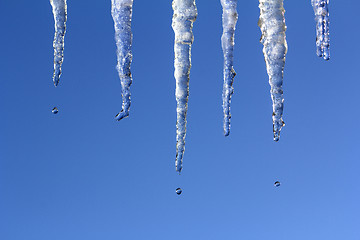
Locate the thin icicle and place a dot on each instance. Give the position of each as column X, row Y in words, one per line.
column 321, row 9
column 272, row 24
column 121, row 11
column 59, row 8
column 229, row 19
column 185, row 14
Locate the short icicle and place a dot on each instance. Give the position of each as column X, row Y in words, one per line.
column 321, row 9
column 272, row 24
column 185, row 13
column 59, row 9
column 121, row 11
column 229, row 19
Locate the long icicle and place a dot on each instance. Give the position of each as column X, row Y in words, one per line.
column 272, row 24
column 121, row 11
column 185, row 13
column 59, row 8
column 321, row 9
column 229, row 19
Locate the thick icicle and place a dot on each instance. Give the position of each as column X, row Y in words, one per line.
column 185, row 14
column 321, row 9
column 272, row 24
column 121, row 11
column 59, row 8
column 229, row 18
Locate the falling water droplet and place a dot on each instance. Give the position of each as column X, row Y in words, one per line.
column 55, row 110
column 277, row 184
column 178, row 191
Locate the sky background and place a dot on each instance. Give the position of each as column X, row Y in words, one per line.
column 82, row 175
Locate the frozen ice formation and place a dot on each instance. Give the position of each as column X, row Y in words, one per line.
column 321, row 9
column 185, row 14
column 229, row 19
column 121, row 11
column 272, row 24
column 59, row 8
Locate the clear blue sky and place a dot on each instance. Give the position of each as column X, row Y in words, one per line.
column 82, row 175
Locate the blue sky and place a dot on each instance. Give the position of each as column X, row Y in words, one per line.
column 82, row 175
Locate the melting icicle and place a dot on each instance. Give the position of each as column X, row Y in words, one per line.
column 121, row 11
column 185, row 14
column 321, row 9
column 59, row 8
column 272, row 24
column 229, row 18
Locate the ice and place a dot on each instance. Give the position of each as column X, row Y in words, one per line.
column 121, row 11
column 321, row 9
column 272, row 24
column 59, row 8
column 185, row 14
column 229, row 19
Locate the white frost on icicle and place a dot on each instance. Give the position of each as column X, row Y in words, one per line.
column 229, row 19
column 59, row 8
column 272, row 24
column 185, row 14
column 121, row 11
column 321, row 9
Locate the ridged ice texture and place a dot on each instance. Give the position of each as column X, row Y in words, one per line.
column 272, row 24
column 185, row 14
column 229, row 19
column 121, row 11
column 59, row 8
column 321, row 9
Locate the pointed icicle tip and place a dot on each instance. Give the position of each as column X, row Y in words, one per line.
column 179, row 159
column 121, row 115
column 278, row 124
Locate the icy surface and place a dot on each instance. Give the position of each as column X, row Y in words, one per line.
column 272, row 24
column 59, row 8
column 229, row 19
column 185, row 14
column 321, row 9
column 121, row 11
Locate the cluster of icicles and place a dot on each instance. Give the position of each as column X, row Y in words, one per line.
column 271, row 22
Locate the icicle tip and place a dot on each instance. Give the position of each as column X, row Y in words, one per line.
column 121, row 115
column 56, row 78
column 178, row 161
column 226, row 132
column 277, row 126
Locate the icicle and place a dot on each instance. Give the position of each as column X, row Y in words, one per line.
column 59, row 8
column 229, row 18
column 322, row 28
column 272, row 24
column 185, row 14
column 121, row 11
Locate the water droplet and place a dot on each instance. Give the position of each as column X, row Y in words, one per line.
column 55, row 110
column 178, row 191
column 277, row 184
